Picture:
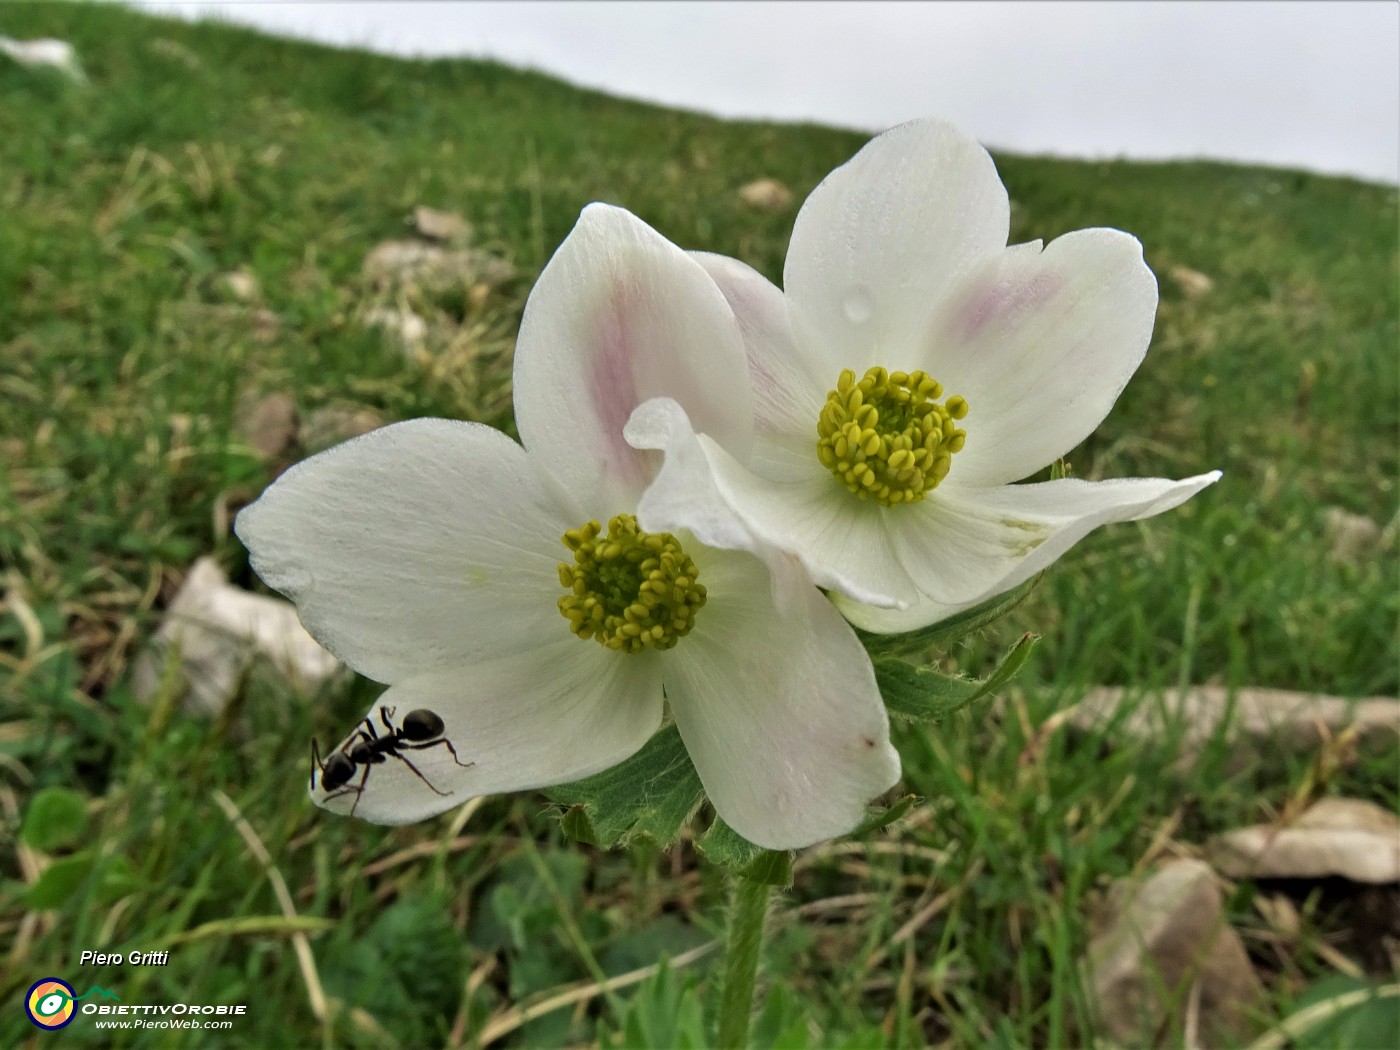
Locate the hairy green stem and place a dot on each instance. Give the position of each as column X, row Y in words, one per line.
column 741, row 962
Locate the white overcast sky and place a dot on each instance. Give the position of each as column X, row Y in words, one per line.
column 1314, row 85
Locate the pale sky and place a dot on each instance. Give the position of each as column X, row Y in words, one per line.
column 1313, row 85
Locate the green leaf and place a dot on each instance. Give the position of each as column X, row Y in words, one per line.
column 782, row 1023
column 924, row 693
column 883, row 818
column 951, row 629
column 724, row 846
column 651, row 795
column 60, row 881
column 1342, row 1011
column 56, row 818
column 665, row 1011
column 578, row 827
column 110, row 879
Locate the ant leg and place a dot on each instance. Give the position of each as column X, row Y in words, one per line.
column 434, row 743
column 373, row 736
column 360, row 789
column 385, row 714
column 419, row 774
column 316, row 762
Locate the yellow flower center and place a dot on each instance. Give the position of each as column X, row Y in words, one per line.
column 887, row 437
column 631, row 590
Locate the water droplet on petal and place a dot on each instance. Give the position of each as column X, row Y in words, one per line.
column 859, row 304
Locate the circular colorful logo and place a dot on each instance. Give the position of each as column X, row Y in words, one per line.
column 49, row 1003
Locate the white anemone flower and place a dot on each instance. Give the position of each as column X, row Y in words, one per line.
column 912, row 368
column 477, row 577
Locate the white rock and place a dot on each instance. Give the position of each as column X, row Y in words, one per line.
column 404, row 324
column 1346, row 837
column 242, row 285
column 58, row 54
column 440, row 225
column 766, row 195
column 408, row 263
column 1193, row 283
column 1276, row 718
column 1169, row 933
column 219, row 629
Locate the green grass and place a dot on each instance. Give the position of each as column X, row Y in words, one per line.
column 198, row 149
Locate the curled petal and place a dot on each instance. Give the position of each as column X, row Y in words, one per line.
column 1041, row 343
column 569, row 710
column 618, row 316
column 780, row 713
column 841, row 542
column 970, row 544
column 420, row 545
column 884, row 237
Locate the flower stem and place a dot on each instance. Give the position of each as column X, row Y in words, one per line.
column 741, row 962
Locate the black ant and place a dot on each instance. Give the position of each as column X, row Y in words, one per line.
column 421, row 729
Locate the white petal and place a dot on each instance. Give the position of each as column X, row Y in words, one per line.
column 883, row 238
column 780, row 713
column 789, row 389
column 684, row 495
column 618, row 316
column 417, row 546
column 1041, row 344
column 970, row 544
column 567, row 710
column 841, row 541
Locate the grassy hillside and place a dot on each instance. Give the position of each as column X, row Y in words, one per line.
column 198, row 150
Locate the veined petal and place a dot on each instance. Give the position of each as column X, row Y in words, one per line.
column 842, row 542
column 883, row 238
column 789, row 386
column 780, row 713
column 418, row 546
column 618, row 316
column 970, row 544
column 565, row 711
column 1041, row 343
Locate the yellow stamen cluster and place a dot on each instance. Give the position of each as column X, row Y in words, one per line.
column 886, row 437
column 631, row 590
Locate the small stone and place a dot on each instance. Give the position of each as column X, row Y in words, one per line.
column 242, row 285
column 766, row 195
column 1336, row 837
column 336, row 422
column 1354, row 538
column 1169, row 933
column 1193, row 283
column 268, row 424
column 403, row 264
column 405, row 325
column 440, row 225
column 219, row 629
column 56, row 54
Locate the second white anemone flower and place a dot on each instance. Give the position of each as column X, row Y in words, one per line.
column 912, row 367
column 509, row 591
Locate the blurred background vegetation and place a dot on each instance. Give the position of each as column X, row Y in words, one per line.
column 129, row 360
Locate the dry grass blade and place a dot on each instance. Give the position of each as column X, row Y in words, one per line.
column 305, row 960
column 508, row 1022
column 1306, row 1020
